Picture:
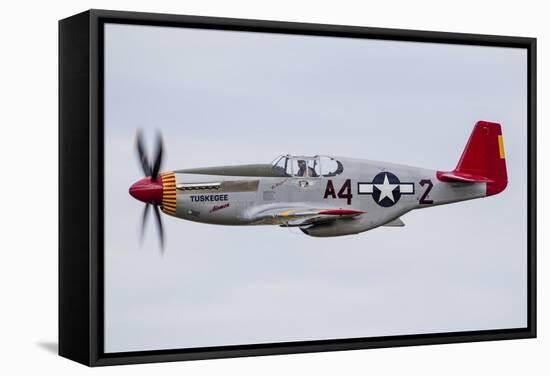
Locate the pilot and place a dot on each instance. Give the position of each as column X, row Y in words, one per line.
column 302, row 166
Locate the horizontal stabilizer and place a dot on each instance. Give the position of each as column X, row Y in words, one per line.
column 455, row 176
column 395, row 223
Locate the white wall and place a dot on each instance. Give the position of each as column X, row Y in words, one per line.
column 28, row 148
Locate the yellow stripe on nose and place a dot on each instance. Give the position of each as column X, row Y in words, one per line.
column 501, row 146
column 168, row 205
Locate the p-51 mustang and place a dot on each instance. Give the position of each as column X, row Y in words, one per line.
column 321, row 195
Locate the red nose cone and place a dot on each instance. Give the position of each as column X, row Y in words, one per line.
column 147, row 190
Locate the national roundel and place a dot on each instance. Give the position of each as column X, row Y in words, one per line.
column 386, row 189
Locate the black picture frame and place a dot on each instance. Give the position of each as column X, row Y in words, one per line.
column 81, row 166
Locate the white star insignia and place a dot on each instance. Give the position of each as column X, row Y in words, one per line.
column 386, row 189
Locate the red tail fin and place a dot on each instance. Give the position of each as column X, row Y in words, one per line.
column 482, row 159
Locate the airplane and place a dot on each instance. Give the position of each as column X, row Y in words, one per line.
column 324, row 196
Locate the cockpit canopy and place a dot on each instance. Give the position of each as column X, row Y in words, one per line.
column 312, row 167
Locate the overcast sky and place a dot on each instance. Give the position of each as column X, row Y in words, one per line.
column 222, row 97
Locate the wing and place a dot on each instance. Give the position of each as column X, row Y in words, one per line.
column 292, row 217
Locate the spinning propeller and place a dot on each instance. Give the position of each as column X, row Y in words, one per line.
column 149, row 189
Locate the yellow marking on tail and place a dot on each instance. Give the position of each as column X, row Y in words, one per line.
column 501, row 146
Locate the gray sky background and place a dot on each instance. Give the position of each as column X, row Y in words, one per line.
column 223, row 97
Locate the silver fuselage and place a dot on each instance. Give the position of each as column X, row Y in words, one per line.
column 214, row 196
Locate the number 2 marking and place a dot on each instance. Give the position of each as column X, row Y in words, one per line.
column 423, row 198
